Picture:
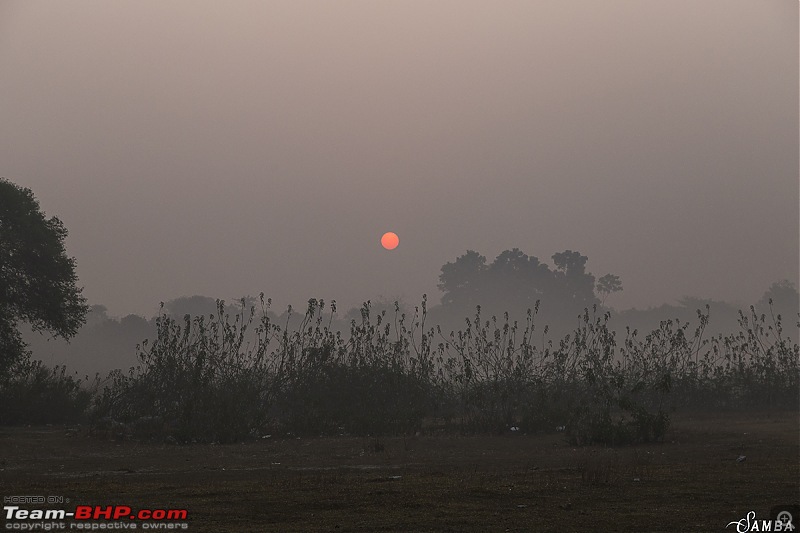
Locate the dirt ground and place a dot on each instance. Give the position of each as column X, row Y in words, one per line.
column 691, row 482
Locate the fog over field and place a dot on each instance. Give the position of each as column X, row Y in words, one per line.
column 230, row 148
column 562, row 237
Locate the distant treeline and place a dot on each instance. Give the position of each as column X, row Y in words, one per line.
column 106, row 343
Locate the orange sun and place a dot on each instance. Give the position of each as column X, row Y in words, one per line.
column 390, row 240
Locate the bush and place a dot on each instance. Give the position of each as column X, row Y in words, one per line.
column 218, row 378
column 195, row 377
column 41, row 395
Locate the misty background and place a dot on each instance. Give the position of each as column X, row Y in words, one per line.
column 225, row 149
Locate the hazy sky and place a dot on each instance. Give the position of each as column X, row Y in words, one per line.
column 228, row 148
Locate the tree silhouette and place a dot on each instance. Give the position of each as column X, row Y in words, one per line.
column 574, row 286
column 37, row 278
column 515, row 281
column 608, row 284
column 462, row 280
column 784, row 300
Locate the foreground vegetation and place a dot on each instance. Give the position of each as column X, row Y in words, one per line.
column 223, row 378
column 219, row 378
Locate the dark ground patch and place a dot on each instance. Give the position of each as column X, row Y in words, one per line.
column 691, row 482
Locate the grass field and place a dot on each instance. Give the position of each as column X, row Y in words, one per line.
column 690, row 482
